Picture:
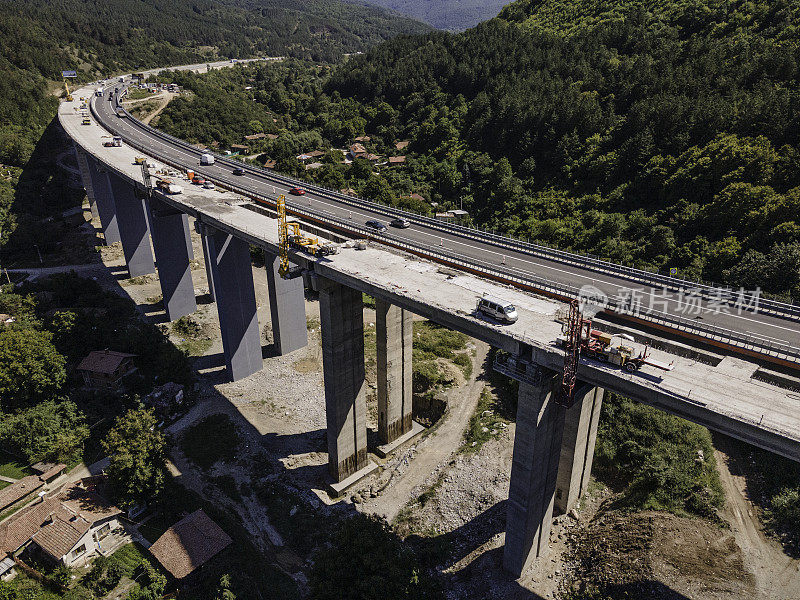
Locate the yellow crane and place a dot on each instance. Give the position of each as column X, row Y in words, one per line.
column 283, row 236
column 69, row 94
column 290, row 236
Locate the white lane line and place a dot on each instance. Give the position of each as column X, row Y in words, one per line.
column 526, row 266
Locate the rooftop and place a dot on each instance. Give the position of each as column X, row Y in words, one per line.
column 103, row 361
column 55, row 520
column 190, row 543
column 18, row 490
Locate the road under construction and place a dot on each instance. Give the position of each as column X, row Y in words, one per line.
column 744, row 386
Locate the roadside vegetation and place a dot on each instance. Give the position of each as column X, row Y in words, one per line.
column 486, row 423
column 656, row 461
column 193, row 339
column 47, row 414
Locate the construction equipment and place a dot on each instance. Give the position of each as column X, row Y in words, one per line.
column 290, row 236
column 166, row 185
column 115, row 142
column 578, row 338
column 283, row 236
column 69, row 94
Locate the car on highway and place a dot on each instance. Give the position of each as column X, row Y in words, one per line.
column 238, row 171
column 209, row 185
column 296, row 191
column 376, row 225
column 198, row 180
column 400, row 222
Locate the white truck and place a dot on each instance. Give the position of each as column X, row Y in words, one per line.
column 206, row 159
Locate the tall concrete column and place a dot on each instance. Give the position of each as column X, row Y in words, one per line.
column 537, row 445
column 577, row 447
column 103, row 198
column 394, row 330
column 232, row 276
column 287, row 308
column 170, row 228
column 134, row 229
column 207, row 261
column 342, row 317
column 86, row 178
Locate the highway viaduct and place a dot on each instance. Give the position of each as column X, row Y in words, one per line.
column 553, row 446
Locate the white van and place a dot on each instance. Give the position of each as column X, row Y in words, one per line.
column 206, row 159
column 500, row 310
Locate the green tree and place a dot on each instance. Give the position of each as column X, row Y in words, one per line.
column 52, row 430
column 224, row 589
column 8, row 591
column 31, row 369
column 137, row 470
column 367, row 556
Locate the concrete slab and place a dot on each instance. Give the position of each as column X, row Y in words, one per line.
column 336, row 489
column 750, row 409
column 385, row 450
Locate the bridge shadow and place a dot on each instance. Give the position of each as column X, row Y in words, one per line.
column 41, row 195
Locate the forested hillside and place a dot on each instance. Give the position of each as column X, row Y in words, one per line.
column 449, row 15
column 42, row 37
column 666, row 138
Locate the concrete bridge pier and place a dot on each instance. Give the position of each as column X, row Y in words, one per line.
column 86, row 178
column 232, row 277
column 342, row 318
column 206, row 261
column 170, row 229
column 553, row 451
column 99, row 193
column 534, row 467
column 394, row 330
column 577, row 446
column 287, row 308
column 134, row 228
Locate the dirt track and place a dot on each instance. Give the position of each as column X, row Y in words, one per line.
column 777, row 576
column 438, row 446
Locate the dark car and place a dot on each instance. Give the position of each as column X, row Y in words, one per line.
column 238, row 171
column 296, row 191
column 376, row 225
column 400, row 222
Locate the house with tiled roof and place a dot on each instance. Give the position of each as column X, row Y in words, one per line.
column 358, row 151
column 69, row 527
column 104, row 369
column 189, row 544
column 18, row 490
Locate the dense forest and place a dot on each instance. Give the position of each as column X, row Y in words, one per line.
column 448, row 15
column 96, row 38
column 659, row 138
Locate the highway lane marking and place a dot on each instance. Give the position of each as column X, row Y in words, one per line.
column 523, row 265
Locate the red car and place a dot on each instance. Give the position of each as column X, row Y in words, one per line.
column 198, row 180
column 296, row 191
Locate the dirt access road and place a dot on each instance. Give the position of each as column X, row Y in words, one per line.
column 436, row 449
column 777, row 576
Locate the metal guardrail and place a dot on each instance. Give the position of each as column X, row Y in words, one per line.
column 716, row 293
column 512, row 275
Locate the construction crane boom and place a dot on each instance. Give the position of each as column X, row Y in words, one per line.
column 572, row 353
column 283, row 236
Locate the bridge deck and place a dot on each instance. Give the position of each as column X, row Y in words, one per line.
column 725, row 397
